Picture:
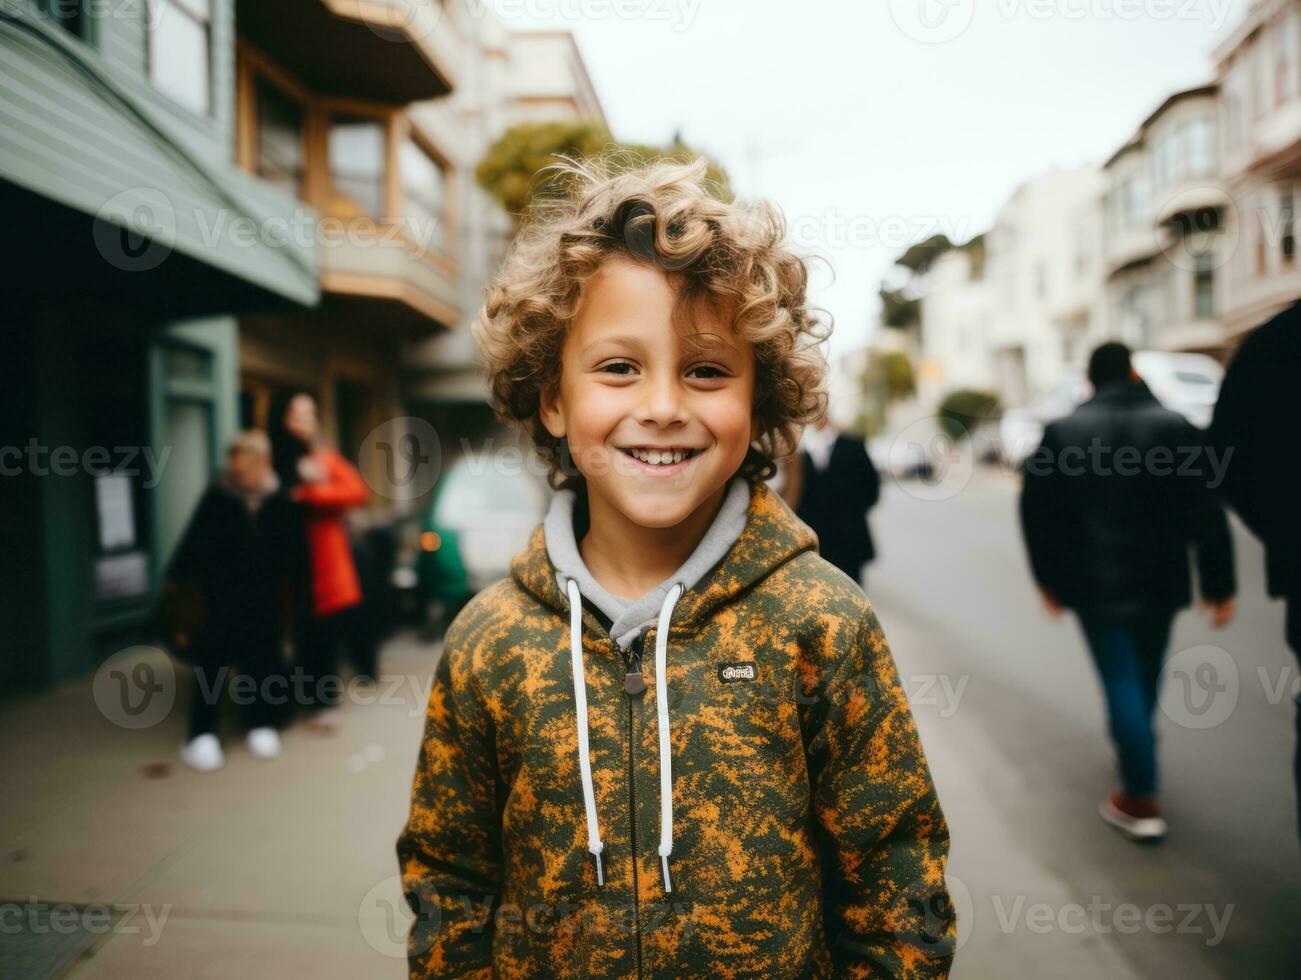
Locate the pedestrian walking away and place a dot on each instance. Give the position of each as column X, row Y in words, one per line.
column 1255, row 432
column 1109, row 516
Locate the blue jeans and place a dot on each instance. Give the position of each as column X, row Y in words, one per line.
column 1129, row 659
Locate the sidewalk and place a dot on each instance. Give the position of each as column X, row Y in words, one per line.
column 263, row 869
column 286, row 868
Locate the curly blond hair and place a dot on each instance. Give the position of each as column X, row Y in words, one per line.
column 731, row 255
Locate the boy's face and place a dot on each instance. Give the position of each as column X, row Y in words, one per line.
column 630, row 381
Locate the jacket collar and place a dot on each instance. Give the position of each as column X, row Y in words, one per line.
column 772, row 536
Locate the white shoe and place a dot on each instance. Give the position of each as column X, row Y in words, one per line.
column 1142, row 829
column 264, row 742
column 203, row 752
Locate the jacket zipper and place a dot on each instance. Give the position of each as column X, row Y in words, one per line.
column 632, row 804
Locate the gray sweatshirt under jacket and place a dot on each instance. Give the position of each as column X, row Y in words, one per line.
column 629, row 618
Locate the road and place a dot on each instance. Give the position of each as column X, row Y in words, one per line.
column 1013, row 723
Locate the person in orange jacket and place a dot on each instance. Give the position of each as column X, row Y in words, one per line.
column 327, row 486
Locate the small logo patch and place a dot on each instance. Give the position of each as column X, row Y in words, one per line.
column 741, row 671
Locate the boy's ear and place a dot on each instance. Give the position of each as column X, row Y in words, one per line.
column 549, row 411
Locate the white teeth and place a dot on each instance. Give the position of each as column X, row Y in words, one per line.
column 659, row 457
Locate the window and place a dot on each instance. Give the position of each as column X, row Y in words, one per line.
column 179, row 52
column 1282, row 62
column 1199, row 147
column 1287, row 227
column 1133, row 200
column 1262, row 259
column 1204, row 287
column 1163, row 162
column 280, row 157
column 356, row 156
column 68, row 14
column 424, row 195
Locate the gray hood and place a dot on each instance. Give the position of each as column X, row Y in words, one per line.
column 628, row 617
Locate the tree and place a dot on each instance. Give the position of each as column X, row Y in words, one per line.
column 964, row 411
column 920, row 257
column 887, row 378
column 509, row 170
column 898, row 310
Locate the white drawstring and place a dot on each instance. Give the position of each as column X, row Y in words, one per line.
column 594, row 843
column 662, row 707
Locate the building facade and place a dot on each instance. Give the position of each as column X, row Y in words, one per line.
column 325, row 99
column 119, row 381
column 1166, row 244
column 1258, row 69
column 1016, row 316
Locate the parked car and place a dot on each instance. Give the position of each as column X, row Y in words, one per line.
column 1186, row 383
column 480, row 516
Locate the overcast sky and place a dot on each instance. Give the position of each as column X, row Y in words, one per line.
column 876, row 122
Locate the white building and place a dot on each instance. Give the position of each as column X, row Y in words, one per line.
column 509, row 77
column 1165, row 244
column 1259, row 71
column 1026, row 318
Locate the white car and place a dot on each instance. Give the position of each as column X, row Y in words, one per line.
column 1185, row 383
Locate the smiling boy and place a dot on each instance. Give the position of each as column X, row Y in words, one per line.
column 673, row 742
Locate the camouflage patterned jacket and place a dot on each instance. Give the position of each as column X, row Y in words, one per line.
column 806, row 837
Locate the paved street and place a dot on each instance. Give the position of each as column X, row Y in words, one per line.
column 1013, row 722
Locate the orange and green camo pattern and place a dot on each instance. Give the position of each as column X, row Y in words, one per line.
column 807, row 837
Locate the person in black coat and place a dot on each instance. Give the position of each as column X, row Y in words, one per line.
column 1254, row 430
column 1111, row 503
column 835, row 486
column 242, row 555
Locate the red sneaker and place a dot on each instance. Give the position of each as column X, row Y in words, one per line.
column 1139, row 819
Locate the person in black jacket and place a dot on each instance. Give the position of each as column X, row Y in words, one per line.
column 1255, row 430
column 1111, row 502
column 243, row 554
column 835, row 485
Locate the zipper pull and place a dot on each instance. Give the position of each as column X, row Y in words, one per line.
column 634, row 684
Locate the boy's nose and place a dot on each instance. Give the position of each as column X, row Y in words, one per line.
column 663, row 402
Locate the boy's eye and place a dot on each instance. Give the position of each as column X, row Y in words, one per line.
column 711, row 371
column 618, row 367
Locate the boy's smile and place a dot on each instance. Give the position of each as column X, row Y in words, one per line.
column 657, row 424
